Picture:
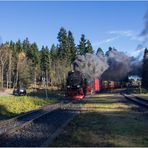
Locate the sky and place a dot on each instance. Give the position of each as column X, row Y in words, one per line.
column 115, row 24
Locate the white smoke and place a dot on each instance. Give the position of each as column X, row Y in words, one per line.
column 120, row 66
column 114, row 65
column 91, row 65
column 144, row 33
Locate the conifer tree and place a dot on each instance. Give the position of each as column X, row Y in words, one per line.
column 82, row 45
column 71, row 46
column 145, row 69
column 89, row 48
column 53, row 52
column 100, row 51
column 63, row 50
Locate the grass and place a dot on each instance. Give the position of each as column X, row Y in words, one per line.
column 137, row 91
column 146, row 95
column 13, row 105
column 112, row 124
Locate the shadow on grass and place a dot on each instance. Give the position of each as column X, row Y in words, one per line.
column 132, row 90
column 113, row 91
column 5, row 114
column 33, row 136
column 98, row 102
column 120, row 128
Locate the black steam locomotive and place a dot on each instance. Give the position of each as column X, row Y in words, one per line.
column 76, row 85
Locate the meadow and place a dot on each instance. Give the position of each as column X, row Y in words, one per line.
column 11, row 106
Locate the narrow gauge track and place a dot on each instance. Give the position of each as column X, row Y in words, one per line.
column 38, row 131
column 137, row 100
column 18, row 121
column 39, row 127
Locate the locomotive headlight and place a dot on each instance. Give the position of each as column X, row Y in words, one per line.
column 78, row 86
column 68, row 86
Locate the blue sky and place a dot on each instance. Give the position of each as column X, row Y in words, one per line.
column 105, row 24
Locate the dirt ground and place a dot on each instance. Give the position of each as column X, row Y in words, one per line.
column 7, row 92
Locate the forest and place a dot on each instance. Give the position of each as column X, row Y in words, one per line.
column 22, row 63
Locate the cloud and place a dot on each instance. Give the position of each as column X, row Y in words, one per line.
column 137, row 53
column 127, row 33
column 105, row 41
column 131, row 35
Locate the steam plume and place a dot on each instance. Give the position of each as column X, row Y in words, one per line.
column 90, row 65
column 114, row 65
column 144, row 32
column 120, row 66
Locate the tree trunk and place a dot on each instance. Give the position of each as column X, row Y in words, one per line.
column 17, row 75
column 2, row 76
column 46, row 84
column 7, row 79
column 47, row 78
column 35, row 78
column 9, row 71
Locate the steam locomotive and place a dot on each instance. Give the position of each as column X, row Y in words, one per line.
column 78, row 86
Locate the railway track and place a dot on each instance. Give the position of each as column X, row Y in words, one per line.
column 137, row 100
column 38, row 127
column 24, row 118
column 18, row 121
column 38, row 132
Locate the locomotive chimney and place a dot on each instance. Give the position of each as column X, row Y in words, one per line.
column 72, row 67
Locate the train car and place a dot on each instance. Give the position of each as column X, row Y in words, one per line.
column 111, row 85
column 117, row 85
column 104, row 85
column 93, row 86
column 107, row 85
column 96, row 85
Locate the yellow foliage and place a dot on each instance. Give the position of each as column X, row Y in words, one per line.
column 17, row 105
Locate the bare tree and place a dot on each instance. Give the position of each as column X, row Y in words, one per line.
column 3, row 61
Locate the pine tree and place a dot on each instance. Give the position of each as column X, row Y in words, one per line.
column 82, row 45
column 33, row 54
column 89, row 48
column 53, row 52
column 26, row 45
column 110, row 49
column 63, row 50
column 18, row 47
column 45, row 58
column 145, row 69
column 100, row 51
column 71, row 46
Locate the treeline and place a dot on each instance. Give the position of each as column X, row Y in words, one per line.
column 23, row 64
